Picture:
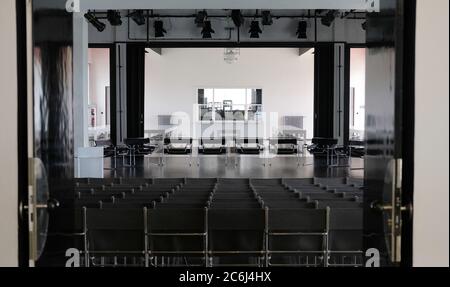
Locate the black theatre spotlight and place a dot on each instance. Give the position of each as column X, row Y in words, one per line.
column 364, row 25
column 328, row 19
column 237, row 17
column 100, row 26
column 200, row 18
column 266, row 18
column 138, row 17
column 114, row 18
column 301, row 30
column 159, row 28
column 207, row 30
column 254, row 29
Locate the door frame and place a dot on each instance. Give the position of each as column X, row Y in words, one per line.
column 408, row 103
column 22, row 132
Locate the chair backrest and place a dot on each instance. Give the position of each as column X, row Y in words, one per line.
column 235, row 205
column 104, row 143
column 238, row 219
column 201, row 181
column 177, row 140
column 324, row 141
column 248, row 141
column 136, row 141
column 307, row 220
column 114, row 219
column 171, row 220
column 212, row 141
column 339, row 204
column 283, row 140
column 346, row 219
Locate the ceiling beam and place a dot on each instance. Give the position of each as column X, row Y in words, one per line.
column 367, row 5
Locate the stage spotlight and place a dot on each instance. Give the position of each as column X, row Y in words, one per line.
column 301, row 30
column 159, row 28
column 266, row 18
column 138, row 17
column 328, row 19
column 237, row 17
column 364, row 25
column 200, row 18
column 254, row 29
column 114, row 18
column 207, row 30
column 100, row 26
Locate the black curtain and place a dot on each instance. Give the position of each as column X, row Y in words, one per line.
column 324, row 90
column 113, row 94
column 135, row 90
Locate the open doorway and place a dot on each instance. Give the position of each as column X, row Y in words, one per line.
column 297, row 193
column 357, row 94
column 99, row 95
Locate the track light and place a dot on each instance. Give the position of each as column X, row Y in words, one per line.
column 328, row 19
column 237, row 17
column 254, row 29
column 113, row 17
column 266, row 18
column 138, row 17
column 301, row 30
column 364, row 25
column 100, row 26
column 200, row 18
column 207, row 30
column 159, row 28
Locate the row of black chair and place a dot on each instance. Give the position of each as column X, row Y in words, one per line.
column 212, row 237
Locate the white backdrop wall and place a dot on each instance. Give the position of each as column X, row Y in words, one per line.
column 287, row 80
column 98, row 81
column 358, row 81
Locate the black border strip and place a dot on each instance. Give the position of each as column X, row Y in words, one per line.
column 22, row 130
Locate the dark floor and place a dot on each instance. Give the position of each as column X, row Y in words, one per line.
column 220, row 167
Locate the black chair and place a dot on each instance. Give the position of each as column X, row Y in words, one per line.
column 346, row 237
column 284, row 145
column 65, row 230
column 114, row 235
column 212, row 146
column 178, row 145
column 297, row 237
column 236, row 236
column 341, row 204
column 109, row 149
column 320, row 146
column 249, row 145
column 174, row 234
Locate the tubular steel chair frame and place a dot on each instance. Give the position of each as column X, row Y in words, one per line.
column 153, row 255
column 325, row 236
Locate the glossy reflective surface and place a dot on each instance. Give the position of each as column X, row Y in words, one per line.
column 52, row 75
column 382, row 108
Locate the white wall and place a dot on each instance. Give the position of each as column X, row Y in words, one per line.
column 358, row 81
column 431, row 188
column 99, row 79
column 8, row 138
column 287, row 80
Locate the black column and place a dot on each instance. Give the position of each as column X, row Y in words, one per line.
column 135, row 90
column 323, row 90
